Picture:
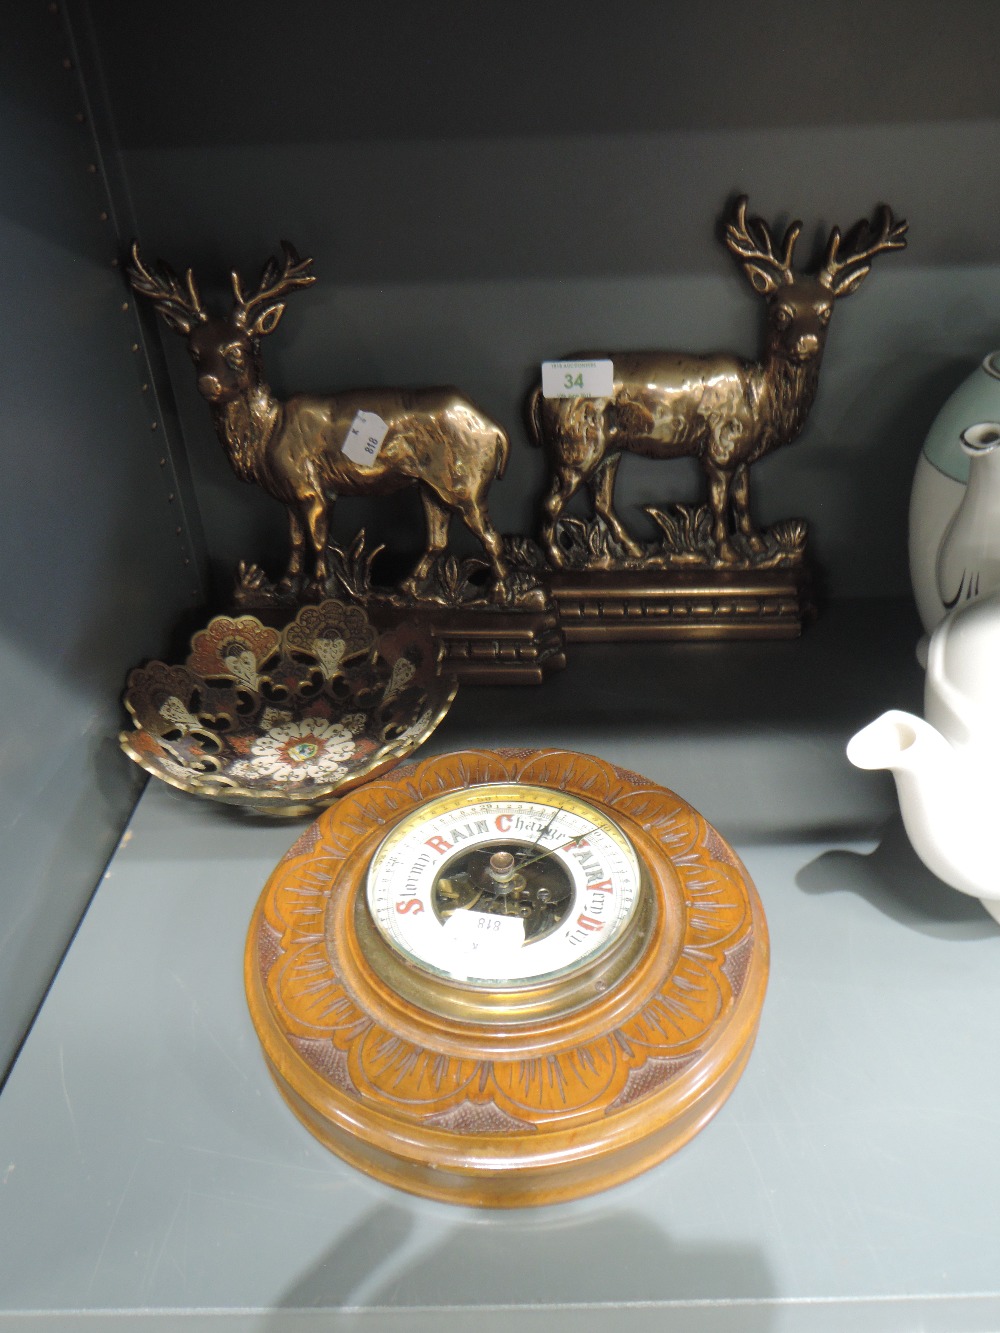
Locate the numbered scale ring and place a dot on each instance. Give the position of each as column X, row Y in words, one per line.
column 507, row 978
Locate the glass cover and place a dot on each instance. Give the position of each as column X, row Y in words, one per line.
column 503, row 884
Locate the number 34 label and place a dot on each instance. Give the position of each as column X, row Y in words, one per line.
column 578, row 379
column 364, row 439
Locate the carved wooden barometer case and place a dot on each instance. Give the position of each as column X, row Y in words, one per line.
column 507, row 978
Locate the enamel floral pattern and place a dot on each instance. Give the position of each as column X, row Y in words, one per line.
column 280, row 722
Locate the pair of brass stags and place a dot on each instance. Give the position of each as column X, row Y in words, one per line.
column 720, row 409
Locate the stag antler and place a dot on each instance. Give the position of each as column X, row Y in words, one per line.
column 179, row 304
column 843, row 274
column 750, row 239
column 274, row 282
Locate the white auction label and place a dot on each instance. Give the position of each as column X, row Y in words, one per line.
column 482, row 932
column 364, row 439
column 578, row 379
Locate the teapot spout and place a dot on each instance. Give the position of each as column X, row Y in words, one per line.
column 937, row 799
column 900, row 742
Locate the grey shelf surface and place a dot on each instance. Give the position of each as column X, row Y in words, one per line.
column 151, row 1176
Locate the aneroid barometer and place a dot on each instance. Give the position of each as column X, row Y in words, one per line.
column 507, row 978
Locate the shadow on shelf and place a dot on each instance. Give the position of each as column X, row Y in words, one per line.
column 897, row 883
column 517, row 1261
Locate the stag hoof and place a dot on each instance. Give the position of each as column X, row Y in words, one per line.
column 290, row 585
column 726, row 554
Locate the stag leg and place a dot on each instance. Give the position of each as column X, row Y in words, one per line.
column 297, row 538
column 739, row 492
column 719, row 482
column 318, row 527
column 602, row 487
column 438, row 518
column 565, row 484
column 473, row 514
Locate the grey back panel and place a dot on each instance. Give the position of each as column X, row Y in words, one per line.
column 483, row 192
column 92, row 566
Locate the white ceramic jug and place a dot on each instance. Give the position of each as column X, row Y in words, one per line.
column 947, row 764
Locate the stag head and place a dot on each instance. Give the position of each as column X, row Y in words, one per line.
column 224, row 349
column 799, row 305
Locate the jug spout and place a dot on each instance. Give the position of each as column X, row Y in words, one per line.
column 939, row 801
column 898, row 741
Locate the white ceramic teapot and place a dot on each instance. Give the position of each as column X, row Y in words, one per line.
column 947, row 764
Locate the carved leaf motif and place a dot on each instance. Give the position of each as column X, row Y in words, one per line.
column 592, row 778
column 716, row 916
column 662, row 817
column 395, row 1070
column 296, row 885
column 677, row 1018
column 570, row 1084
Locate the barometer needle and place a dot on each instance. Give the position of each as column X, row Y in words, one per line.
column 594, row 828
column 555, row 815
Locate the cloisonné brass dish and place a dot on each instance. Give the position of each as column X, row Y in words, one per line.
column 507, row 978
column 281, row 722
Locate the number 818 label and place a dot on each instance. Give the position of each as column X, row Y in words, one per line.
column 364, row 439
column 578, row 379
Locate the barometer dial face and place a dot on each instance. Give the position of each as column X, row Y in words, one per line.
column 504, row 885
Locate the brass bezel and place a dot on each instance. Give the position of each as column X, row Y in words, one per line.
column 555, row 994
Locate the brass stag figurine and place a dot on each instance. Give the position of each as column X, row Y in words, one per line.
column 435, row 439
column 720, row 409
